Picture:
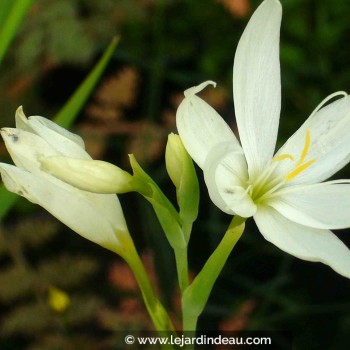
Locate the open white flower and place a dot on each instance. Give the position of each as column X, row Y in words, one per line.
column 282, row 192
column 97, row 217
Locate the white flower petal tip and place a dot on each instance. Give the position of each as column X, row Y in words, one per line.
column 20, row 113
column 198, row 88
column 271, row 5
column 200, row 126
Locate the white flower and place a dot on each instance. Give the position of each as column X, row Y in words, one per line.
column 284, row 194
column 97, row 217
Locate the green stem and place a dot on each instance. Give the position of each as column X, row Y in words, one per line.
column 154, row 307
column 182, row 267
column 197, row 294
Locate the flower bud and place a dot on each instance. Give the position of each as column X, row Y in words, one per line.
column 183, row 175
column 175, row 158
column 89, row 175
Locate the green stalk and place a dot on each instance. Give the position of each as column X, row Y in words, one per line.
column 197, row 294
column 154, row 307
column 182, row 267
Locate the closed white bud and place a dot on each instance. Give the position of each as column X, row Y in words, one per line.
column 94, row 176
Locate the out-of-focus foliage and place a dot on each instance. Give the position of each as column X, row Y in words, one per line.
column 166, row 46
column 25, row 281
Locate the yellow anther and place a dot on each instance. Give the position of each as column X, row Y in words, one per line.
column 306, row 147
column 283, row 157
column 299, row 169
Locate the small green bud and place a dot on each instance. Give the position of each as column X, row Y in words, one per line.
column 175, row 159
column 94, row 176
column 183, row 175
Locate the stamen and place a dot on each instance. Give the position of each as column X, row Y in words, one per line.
column 275, row 185
column 299, row 169
column 306, row 147
column 260, row 181
column 283, row 157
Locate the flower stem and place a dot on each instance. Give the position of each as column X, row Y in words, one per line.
column 182, row 267
column 197, row 294
column 154, row 307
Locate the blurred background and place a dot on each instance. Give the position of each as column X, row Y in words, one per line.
column 166, row 46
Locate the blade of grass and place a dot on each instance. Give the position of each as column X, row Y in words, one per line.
column 68, row 113
column 11, row 17
column 5, row 8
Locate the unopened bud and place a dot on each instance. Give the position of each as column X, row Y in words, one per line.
column 89, row 175
column 175, row 159
column 183, row 175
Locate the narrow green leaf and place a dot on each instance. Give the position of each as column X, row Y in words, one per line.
column 71, row 109
column 11, row 17
column 5, row 9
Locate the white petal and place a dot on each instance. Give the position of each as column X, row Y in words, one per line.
column 65, row 142
column 200, row 126
column 22, row 121
column 329, row 143
column 26, row 148
column 226, row 176
column 94, row 176
column 95, row 217
column 321, row 206
column 303, row 242
column 31, row 124
column 61, row 139
column 257, row 86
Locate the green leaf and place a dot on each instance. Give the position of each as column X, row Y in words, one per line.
column 68, row 113
column 11, row 16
